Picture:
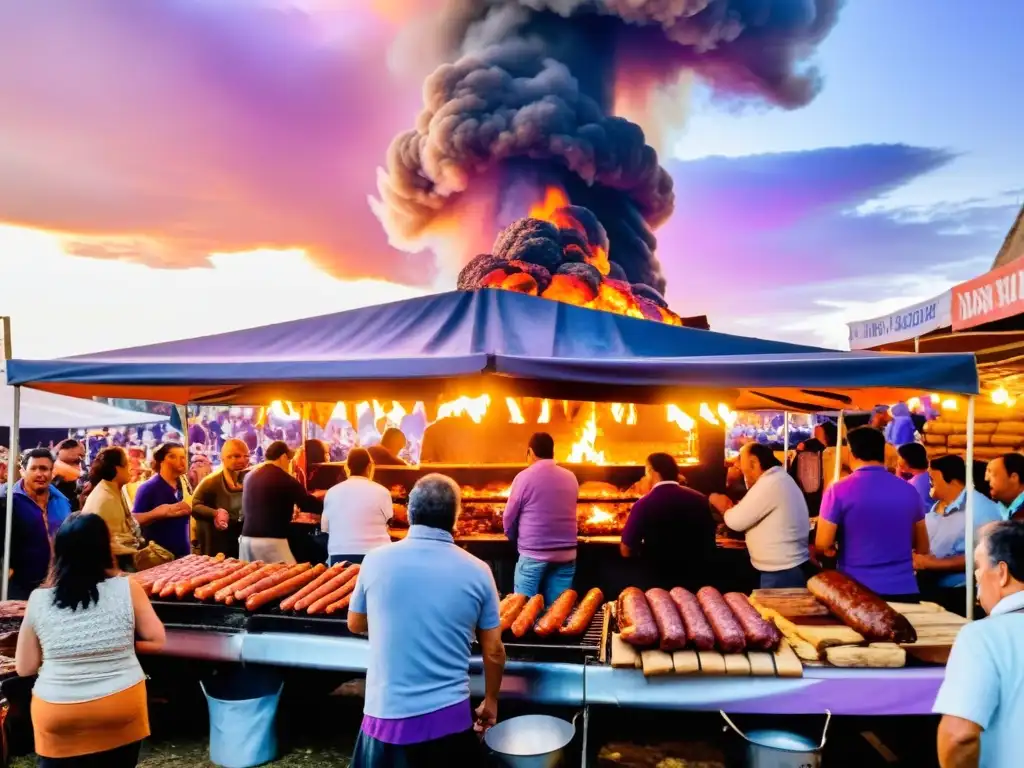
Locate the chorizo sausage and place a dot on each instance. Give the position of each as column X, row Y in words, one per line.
column 528, row 616
column 556, row 614
column 284, row 588
column 329, row 586
column 671, row 629
column 171, row 586
column 584, row 613
column 190, row 585
column 269, row 581
column 321, row 605
column 636, row 622
column 698, row 632
column 728, row 632
column 339, row 606
column 514, row 605
column 289, row 602
column 760, row 633
column 207, row 591
column 228, row 591
column 861, row 609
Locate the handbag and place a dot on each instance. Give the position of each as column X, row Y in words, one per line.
column 151, row 555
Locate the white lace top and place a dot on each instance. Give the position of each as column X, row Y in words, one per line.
column 87, row 654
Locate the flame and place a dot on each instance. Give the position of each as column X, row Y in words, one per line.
column 284, row 410
column 598, row 258
column 707, row 414
column 678, row 416
column 396, row 414
column 613, row 299
column 554, row 198
column 727, row 416
column 340, row 411
column 625, row 411
column 515, row 413
column 545, row 412
column 361, row 409
column 474, row 407
column 378, row 412
column 584, row 450
column 570, row 290
column 599, row 516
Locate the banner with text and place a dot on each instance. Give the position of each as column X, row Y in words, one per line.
column 993, row 296
column 904, row 324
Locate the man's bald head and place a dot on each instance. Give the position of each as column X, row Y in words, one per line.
column 234, row 456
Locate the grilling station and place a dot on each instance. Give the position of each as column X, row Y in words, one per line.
column 616, row 389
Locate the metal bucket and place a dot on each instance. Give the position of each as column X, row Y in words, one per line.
column 530, row 741
column 781, row 749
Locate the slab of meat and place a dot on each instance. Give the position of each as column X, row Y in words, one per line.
column 636, row 622
column 698, row 631
column 528, row 616
column 670, row 624
column 860, row 608
column 584, row 613
column 728, row 632
column 759, row 633
column 510, row 609
column 557, row 614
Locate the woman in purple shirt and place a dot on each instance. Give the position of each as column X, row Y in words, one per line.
column 160, row 505
column 877, row 521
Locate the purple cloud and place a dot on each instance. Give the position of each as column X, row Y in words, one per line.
column 162, row 131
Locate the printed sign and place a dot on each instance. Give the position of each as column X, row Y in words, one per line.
column 903, row 324
column 996, row 295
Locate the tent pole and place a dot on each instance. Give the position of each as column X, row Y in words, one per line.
column 917, row 345
column 785, row 439
column 13, row 467
column 969, row 511
column 838, row 469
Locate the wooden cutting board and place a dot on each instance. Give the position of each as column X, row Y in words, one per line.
column 795, row 604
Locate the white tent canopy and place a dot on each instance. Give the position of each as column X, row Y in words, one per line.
column 43, row 410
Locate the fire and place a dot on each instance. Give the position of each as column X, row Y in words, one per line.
column 554, row 198
column 707, row 414
column 284, row 410
column 515, row 413
column 545, row 412
column 625, row 411
column 361, row 409
column 340, row 411
column 585, row 450
column 611, row 298
column 396, row 414
column 727, row 416
column 599, row 516
column 678, row 416
column 570, row 290
column 474, row 407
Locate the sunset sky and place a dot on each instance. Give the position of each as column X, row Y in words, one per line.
column 184, row 167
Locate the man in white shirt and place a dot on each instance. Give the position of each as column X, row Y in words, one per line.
column 774, row 516
column 982, row 697
column 356, row 512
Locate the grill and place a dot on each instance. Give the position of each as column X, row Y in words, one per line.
column 275, row 620
column 191, row 614
column 556, row 648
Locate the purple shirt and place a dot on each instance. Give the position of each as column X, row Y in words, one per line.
column 923, row 484
column 416, row 730
column 876, row 513
column 540, row 516
column 171, row 533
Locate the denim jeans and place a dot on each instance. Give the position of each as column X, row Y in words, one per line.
column 536, row 577
column 791, row 578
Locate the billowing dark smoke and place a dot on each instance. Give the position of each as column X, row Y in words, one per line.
column 531, row 84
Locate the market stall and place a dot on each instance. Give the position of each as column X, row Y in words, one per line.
column 440, row 348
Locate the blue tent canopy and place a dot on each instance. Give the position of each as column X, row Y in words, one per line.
column 492, row 339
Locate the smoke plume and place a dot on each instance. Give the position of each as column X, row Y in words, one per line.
column 531, row 83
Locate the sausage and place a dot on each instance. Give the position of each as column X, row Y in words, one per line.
column 179, row 571
column 228, row 591
column 289, row 602
column 327, row 587
column 557, row 614
column 760, row 633
column 513, row 606
column 341, row 605
column 671, row 629
column 284, row 588
column 728, row 631
column 528, row 616
column 190, row 585
column 345, row 589
column 584, row 613
column 150, row 575
column 861, row 609
column 207, row 591
column 170, row 586
column 698, row 632
column 636, row 622
column 272, row 580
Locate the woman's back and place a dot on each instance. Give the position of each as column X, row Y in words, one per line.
column 87, row 653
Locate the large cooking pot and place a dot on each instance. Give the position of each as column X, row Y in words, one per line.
column 530, row 741
column 781, row 749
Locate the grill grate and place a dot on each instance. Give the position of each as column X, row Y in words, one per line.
column 191, row 614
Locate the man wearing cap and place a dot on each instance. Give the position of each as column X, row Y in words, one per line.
column 269, row 497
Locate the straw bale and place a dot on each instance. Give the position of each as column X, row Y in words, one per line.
column 1010, row 441
column 942, row 427
column 934, row 440
column 1012, row 427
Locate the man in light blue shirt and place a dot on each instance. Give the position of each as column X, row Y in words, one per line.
column 1005, row 475
column 982, row 696
column 941, row 574
column 423, row 601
